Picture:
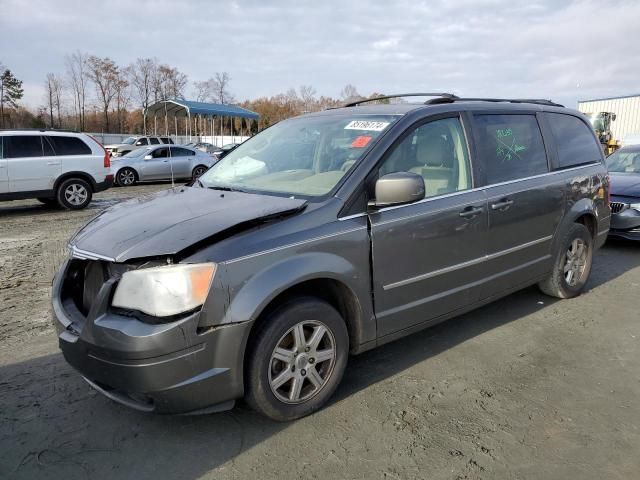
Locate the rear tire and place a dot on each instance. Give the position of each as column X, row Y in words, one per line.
column 572, row 265
column 126, row 177
column 296, row 359
column 74, row 194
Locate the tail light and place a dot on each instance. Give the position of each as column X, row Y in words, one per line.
column 106, row 163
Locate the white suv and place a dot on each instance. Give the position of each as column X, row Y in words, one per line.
column 55, row 167
column 134, row 143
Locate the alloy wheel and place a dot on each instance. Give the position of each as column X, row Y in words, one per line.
column 302, row 362
column 76, row 194
column 576, row 262
column 126, row 177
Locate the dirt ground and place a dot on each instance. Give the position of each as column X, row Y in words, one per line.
column 527, row 387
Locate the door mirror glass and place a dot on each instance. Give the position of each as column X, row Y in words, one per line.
column 398, row 188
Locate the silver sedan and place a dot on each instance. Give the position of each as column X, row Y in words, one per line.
column 160, row 162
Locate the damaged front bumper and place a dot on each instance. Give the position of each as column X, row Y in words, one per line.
column 626, row 224
column 173, row 367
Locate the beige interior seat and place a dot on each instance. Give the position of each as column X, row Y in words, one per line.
column 436, row 158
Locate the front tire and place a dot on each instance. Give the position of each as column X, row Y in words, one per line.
column 74, row 194
column 572, row 264
column 296, row 359
column 198, row 171
column 126, row 177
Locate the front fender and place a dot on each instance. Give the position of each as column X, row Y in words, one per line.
column 237, row 299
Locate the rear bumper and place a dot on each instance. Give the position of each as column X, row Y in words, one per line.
column 163, row 368
column 102, row 186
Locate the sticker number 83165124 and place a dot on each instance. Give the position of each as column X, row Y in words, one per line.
column 366, row 125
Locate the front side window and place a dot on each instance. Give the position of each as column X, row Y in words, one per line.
column 160, row 153
column 142, row 141
column 575, row 141
column 437, row 151
column 22, row 146
column 626, row 160
column 154, row 141
column 302, row 156
column 510, row 147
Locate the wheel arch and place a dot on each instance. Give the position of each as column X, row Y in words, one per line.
column 135, row 172
column 583, row 212
column 75, row 174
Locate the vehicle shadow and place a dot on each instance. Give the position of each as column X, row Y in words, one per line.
column 53, row 424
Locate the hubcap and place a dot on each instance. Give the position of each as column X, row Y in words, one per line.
column 302, row 362
column 576, row 262
column 76, row 194
column 127, row 177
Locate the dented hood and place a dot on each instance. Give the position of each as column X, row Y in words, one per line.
column 172, row 220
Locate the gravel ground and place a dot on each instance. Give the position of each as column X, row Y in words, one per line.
column 527, row 387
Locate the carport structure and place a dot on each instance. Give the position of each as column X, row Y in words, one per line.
column 208, row 118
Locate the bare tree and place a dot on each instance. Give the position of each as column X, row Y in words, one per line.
column 221, row 87
column 77, row 75
column 350, row 94
column 53, row 98
column 105, row 75
column 142, row 74
column 123, row 95
column 308, row 96
column 169, row 83
column 205, row 90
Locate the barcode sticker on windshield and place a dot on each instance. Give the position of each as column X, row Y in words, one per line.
column 366, row 125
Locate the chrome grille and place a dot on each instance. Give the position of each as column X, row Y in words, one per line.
column 617, row 207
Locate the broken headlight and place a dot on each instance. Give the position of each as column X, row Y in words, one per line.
column 165, row 291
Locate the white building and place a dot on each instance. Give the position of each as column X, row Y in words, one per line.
column 627, row 110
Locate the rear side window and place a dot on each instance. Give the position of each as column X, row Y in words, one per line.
column 22, row 146
column 510, row 147
column 181, row 152
column 574, row 139
column 69, row 146
column 154, row 141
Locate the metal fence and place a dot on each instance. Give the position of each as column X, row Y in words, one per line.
column 217, row 140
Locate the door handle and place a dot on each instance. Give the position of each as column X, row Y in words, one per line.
column 53, row 163
column 502, row 204
column 470, row 212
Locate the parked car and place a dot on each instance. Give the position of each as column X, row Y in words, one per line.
column 260, row 279
column 133, row 143
column 160, row 163
column 205, row 147
column 57, row 168
column 624, row 170
column 225, row 150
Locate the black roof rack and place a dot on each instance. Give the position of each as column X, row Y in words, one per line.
column 446, row 97
column 536, row 101
column 38, row 130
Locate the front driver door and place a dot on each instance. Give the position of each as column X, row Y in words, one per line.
column 427, row 256
column 157, row 167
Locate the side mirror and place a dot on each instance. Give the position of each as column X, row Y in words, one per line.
column 613, row 117
column 148, row 157
column 397, row 189
column 139, row 143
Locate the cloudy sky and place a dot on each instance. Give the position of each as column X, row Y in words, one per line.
column 559, row 49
